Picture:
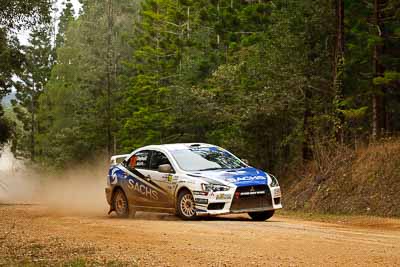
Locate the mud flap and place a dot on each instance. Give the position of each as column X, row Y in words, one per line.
column 132, row 213
column 111, row 210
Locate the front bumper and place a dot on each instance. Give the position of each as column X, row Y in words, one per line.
column 239, row 200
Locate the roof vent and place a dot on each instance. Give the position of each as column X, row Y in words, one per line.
column 195, row 145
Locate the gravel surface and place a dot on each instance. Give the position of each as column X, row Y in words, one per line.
column 36, row 235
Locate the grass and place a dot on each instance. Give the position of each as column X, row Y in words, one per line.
column 342, row 180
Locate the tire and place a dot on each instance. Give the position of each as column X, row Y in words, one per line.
column 261, row 215
column 120, row 204
column 185, row 206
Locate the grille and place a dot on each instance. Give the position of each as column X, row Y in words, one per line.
column 251, row 197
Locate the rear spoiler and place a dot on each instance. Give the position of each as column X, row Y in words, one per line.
column 117, row 159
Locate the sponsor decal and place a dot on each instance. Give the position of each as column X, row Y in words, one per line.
column 170, row 177
column 114, row 177
column 141, row 158
column 140, row 176
column 224, row 196
column 250, row 178
column 241, row 177
column 137, row 182
column 140, row 164
column 142, row 189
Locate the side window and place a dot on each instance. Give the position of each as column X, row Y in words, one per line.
column 158, row 159
column 140, row 160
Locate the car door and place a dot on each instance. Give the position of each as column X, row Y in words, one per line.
column 142, row 190
column 139, row 191
column 166, row 181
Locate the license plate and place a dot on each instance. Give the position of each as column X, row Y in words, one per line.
column 252, row 193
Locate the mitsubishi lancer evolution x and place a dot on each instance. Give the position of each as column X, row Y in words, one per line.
column 189, row 180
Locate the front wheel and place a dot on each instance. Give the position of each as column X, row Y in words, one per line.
column 120, row 204
column 261, row 215
column 185, row 206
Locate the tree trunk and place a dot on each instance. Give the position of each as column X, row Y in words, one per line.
column 306, row 150
column 109, row 76
column 338, row 69
column 33, row 124
column 377, row 98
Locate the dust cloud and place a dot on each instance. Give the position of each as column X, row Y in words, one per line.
column 76, row 190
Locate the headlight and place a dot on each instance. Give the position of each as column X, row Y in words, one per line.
column 274, row 181
column 214, row 187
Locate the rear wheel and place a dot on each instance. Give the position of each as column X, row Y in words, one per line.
column 120, row 203
column 261, row 215
column 185, row 206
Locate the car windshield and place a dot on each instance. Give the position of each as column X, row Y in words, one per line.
column 204, row 159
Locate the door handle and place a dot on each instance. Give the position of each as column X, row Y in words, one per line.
column 148, row 178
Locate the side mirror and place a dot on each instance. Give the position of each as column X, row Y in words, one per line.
column 165, row 168
column 245, row 161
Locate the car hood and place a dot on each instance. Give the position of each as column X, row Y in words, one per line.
column 240, row 177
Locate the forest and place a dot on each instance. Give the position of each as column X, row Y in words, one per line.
column 269, row 80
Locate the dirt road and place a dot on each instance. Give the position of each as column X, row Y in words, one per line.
column 36, row 234
column 71, row 228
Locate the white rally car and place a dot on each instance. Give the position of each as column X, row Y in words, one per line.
column 190, row 180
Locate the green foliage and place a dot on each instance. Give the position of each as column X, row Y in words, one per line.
column 236, row 77
column 256, row 77
column 5, row 128
column 73, row 109
column 20, row 13
column 355, row 114
column 33, row 78
column 362, row 37
column 11, row 60
column 15, row 14
column 66, row 17
column 388, row 78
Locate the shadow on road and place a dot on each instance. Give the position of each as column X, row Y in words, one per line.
column 170, row 217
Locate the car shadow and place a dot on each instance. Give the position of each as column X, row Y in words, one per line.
column 171, row 217
column 234, row 218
